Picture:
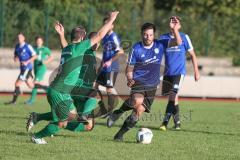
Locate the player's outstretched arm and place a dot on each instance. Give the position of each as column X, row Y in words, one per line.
column 60, row 30
column 48, row 60
column 105, row 28
column 195, row 65
column 117, row 55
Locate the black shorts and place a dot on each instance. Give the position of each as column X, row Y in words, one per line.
column 25, row 75
column 171, row 83
column 148, row 93
column 107, row 79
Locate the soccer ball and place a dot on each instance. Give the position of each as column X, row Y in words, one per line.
column 144, row 136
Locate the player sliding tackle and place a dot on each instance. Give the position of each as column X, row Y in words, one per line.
column 82, row 95
column 59, row 93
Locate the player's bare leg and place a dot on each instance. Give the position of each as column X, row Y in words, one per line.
column 17, row 92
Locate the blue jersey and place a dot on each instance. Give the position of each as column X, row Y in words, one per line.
column 24, row 52
column 111, row 45
column 175, row 56
column 147, row 62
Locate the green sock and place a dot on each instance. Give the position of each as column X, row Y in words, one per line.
column 44, row 116
column 89, row 106
column 34, row 94
column 75, row 126
column 50, row 129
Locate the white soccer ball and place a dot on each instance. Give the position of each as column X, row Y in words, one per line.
column 144, row 136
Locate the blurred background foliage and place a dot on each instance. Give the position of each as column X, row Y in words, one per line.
column 212, row 25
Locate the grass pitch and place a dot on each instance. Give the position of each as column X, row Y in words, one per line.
column 210, row 131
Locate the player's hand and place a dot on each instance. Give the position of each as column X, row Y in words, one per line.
column 107, row 63
column 174, row 23
column 44, row 62
column 130, row 82
column 113, row 15
column 24, row 63
column 59, row 28
column 196, row 76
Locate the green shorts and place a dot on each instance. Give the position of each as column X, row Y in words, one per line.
column 84, row 105
column 40, row 73
column 79, row 102
column 61, row 104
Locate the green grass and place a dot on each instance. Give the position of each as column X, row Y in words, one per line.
column 210, row 130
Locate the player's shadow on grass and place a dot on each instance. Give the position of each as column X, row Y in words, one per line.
column 105, row 124
column 12, row 117
column 10, row 132
column 196, row 131
column 209, row 132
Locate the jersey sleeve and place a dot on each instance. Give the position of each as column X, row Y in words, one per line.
column 116, row 41
column 83, row 46
column 164, row 40
column 31, row 50
column 132, row 57
column 187, row 43
column 15, row 51
column 48, row 51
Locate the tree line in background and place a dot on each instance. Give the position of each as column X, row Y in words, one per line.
column 213, row 25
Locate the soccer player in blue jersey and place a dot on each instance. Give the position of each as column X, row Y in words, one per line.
column 110, row 66
column 143, row 76
column 175, row 70
column 25, row 54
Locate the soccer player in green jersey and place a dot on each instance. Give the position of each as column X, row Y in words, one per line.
column 59, row 93
column 44, row 57
column 83, row 95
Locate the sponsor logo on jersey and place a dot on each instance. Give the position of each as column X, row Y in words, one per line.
column 156, row 50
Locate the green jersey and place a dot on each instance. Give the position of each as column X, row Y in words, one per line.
column 70, row 67
column 87, row 76
column 42, row 54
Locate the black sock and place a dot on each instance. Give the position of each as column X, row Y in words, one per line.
column 176, row 116
column 169, row 112
column 126, row 106
column 16, row 94
column 129, row 123
column 111, row 100
column 39, row 86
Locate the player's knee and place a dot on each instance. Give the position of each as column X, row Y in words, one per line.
column 18, row 83
column 172, row 96
column 138, row 101
column 88, row 128
column 90, row 125
column 139, row 110
column 72, row 115
column 62, row 124
column 109, row 90
column 30, row 84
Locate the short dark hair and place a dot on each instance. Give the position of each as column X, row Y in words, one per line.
column 77, row 33
column 38, row 37
column 146, row 26
column 92, row 34
column 21, row 33
column 173, row 17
